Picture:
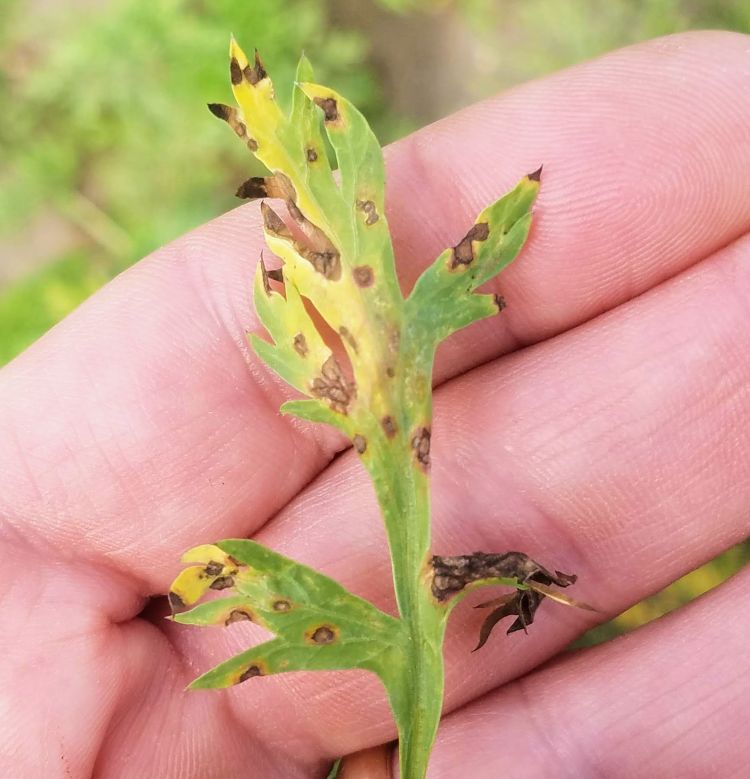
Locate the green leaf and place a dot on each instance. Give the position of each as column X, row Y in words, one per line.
column 315, row 411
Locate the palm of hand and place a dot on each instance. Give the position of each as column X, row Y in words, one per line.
column 611, row 446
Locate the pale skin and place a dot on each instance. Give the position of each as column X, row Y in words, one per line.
column 606, row 433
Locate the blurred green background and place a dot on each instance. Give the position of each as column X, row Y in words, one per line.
column 97, row 96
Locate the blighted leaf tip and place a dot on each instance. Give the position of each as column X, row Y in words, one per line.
column 255, row 73
column 219, row 110
column 451, row 575
column 235, row 71
column 251, row 189
column 175, row 602
column 536, row 175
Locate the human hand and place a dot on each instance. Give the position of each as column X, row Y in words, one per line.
column 605, row 433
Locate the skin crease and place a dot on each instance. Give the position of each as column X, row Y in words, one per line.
column 613, row 446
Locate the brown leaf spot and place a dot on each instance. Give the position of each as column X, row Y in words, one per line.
column 330, row 109
column 536, row 175
column 300, row 345
column 235, row 72
column 326, row 262
column 251, row 672
column 394, row 340
column 252, row 144
column 213, row 568
column 348, row 337
column 368, row 208
column 332, row 370
column 311, row 155
column 389, row 426
column 318, row 251
column 175, row 602
column 390, row 372
column 222, row 583
column 500, row 303
column 282, row 605
column 360, row 443
column 238, row 615
column 363, row 276
column 325, row 634
column 257, row 72
column 333, row 386
column 463, row 252
column 420, row 443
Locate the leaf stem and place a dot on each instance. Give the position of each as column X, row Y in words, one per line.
column 399, row 467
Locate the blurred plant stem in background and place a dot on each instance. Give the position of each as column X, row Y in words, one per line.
column 677, row 594
column 107, row 150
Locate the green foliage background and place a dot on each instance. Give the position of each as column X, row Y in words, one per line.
column 104, row 125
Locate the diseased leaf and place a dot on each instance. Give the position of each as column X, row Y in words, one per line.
column 319, row 625
column 442, row 297
column 455, row 576
column 298, row 351
column 332, row 239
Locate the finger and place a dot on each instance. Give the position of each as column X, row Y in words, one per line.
column 373, row 763
column 668, row 700
column 620, row 209
column 615, row 452
column 86, row 691
column 142, row 426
